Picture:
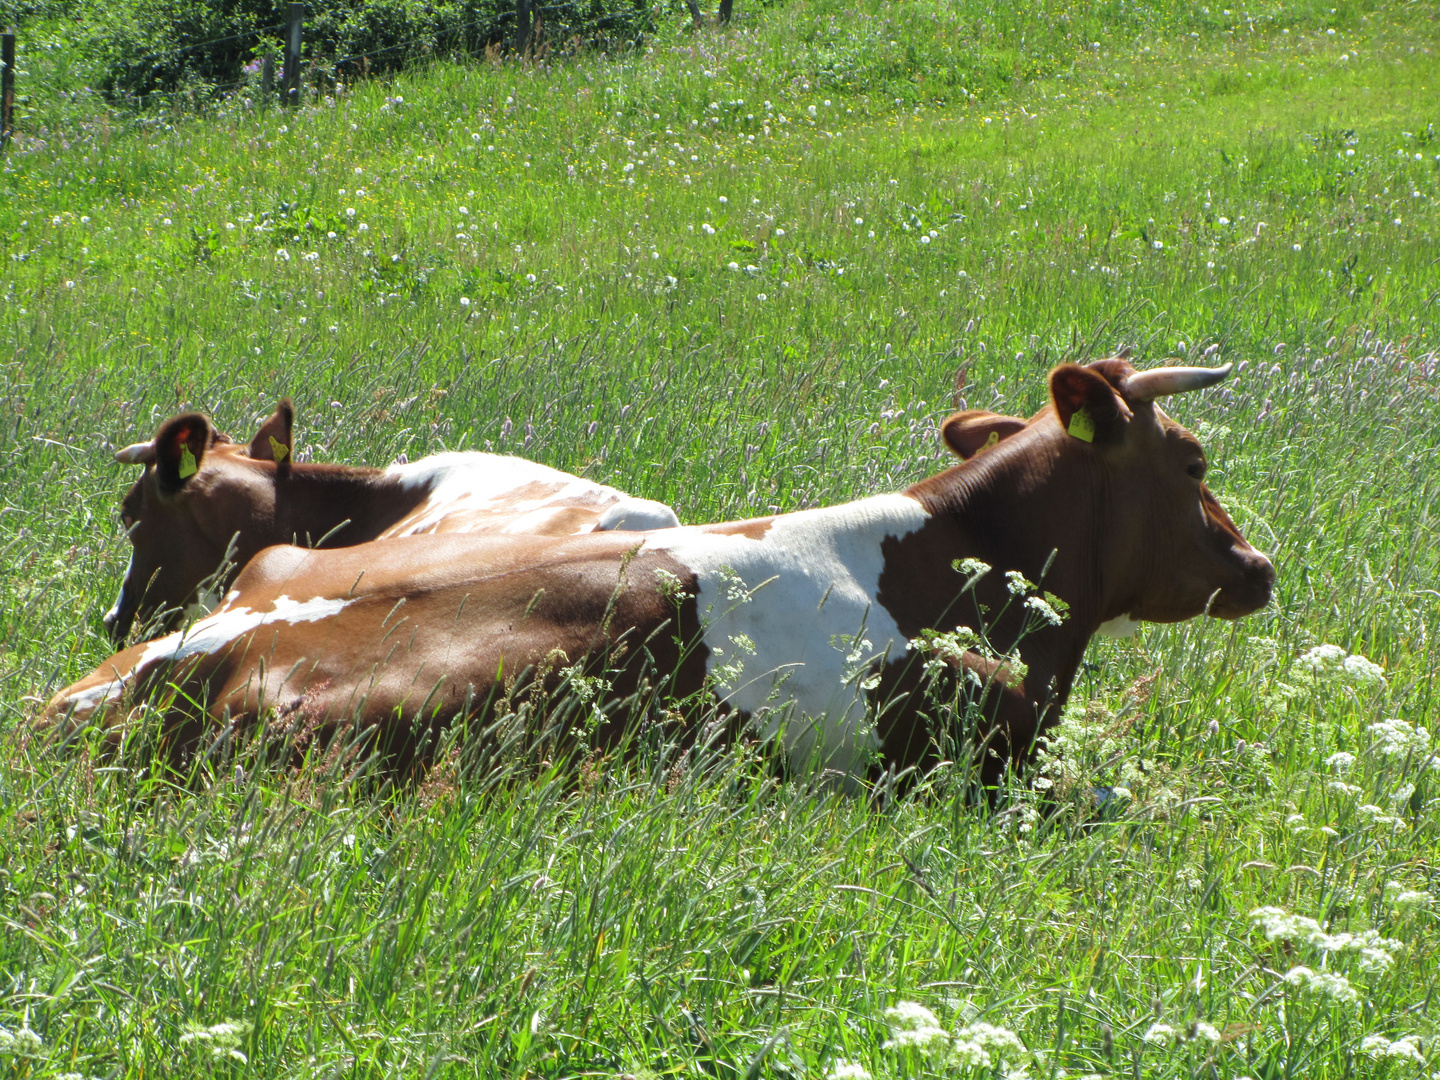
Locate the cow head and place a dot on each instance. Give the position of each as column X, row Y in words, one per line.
column 197, row 492
column 1167, row 549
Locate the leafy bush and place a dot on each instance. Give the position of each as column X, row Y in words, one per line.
column 148, row 46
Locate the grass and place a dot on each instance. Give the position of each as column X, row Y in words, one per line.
column 720, row 923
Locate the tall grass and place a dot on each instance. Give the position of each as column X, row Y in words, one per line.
column 721, row 922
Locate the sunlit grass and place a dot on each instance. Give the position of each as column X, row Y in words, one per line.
column 724, row 924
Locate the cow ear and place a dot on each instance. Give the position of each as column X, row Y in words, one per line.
column 180, row 446
column 275, row 439
column 1087, row 405
column 975, row 431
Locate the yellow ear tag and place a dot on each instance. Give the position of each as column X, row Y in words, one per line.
column 1081, row 426
column 992, row 440
column 278, row 450
column 188, row 468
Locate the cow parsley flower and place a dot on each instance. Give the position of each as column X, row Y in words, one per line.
column 1041, row 607
column 1363, row 672
column 1374, row 815
column 222, row 1040
column 913, row 1026
column 847, row 1070
column 1374, row 953
column 22, row 1043
column 1396, row 738
column 1159, row 1034
column 1380, row 1047
column 1326, row 984
column 1398, row 896
column 982, row 1045
column 1340, row 761
column 1016, row 583
column 1204, row 1032
column 1322, row 659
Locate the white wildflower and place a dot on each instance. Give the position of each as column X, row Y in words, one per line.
column 1397, row 895
column 1209, row 1033
column 912, row 1025
column 22, row 1043
column 1380, row 1046
column 1340, row 761
column 974, row 568
column 1363, row 672
column 1376, row 816
column 222, row 1040
column 1322, row 659
column 1396, row 738
column 1159, row 1034
column 1325, row 984
column 1042, row 608
column 847, row 1070
column 1016, row 583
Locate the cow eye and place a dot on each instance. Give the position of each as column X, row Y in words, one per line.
column 1196, row 470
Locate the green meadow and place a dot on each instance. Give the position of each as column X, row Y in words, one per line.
column 742, row 270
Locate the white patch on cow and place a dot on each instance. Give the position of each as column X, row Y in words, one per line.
column 114, row 612
column 636, row 515
column 229, row 624
column 1122, row 626
column 81, row 704
column 467, row 492
column 811, row 582
column 209, row 635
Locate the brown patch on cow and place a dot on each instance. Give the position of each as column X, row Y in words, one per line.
column 537, row 491
column 566, row 521
column 461, row 645
column 753, row 528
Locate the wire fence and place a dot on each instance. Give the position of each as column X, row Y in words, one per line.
column 523, row 30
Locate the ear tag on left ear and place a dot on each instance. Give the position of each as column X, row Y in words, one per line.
column 278, row 450
column 1081, row 425
column 188, row 468
column 992, row 440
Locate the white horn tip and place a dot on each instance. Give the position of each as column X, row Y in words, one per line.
column 136, row 454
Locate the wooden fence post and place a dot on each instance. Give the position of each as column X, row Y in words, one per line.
column 523, row 15
column 7, row 86
column 292, row 55
column 267, row 78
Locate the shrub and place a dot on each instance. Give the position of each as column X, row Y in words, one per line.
column 149, row 46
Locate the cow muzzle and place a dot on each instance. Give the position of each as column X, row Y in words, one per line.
column 1251, row 591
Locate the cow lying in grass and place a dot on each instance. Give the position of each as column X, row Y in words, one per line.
column 812, row 625
column 200, row 493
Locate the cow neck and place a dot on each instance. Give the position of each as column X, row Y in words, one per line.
column 1010, row 508
column 312, row 501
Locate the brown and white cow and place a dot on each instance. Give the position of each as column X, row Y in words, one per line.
column 201, row 493
column 802, row 621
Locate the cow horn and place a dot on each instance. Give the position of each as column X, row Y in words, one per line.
column 140, row 453
column 1161, row 382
